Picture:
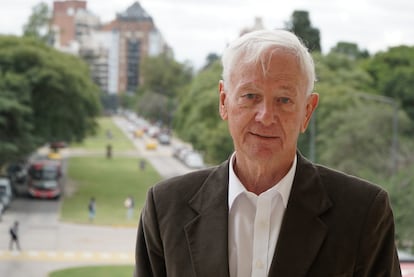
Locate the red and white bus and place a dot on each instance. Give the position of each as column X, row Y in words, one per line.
column 44, row 179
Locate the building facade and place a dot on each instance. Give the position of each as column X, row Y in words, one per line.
column 113, row 50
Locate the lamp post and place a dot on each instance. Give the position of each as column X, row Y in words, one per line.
column 394, row 143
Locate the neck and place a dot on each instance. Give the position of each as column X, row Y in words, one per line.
column 258, row 178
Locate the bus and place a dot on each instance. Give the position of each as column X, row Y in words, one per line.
column 44, row 179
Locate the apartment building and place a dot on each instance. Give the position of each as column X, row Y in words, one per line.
column 114, row 50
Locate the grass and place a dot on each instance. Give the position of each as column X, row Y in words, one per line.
column 109, row 181
column 100, row 140
column 95, row 271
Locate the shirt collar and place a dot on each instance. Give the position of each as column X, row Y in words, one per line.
column 284, row 186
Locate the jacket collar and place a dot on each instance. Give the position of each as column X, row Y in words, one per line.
column 207, row 232
column 301, row 235
column 302, row 231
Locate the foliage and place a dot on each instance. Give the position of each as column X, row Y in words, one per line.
column 393, row 72
column 349, row 49
column 164, row 79
column 197, row 119
column 38, row 25
column 46, row 95
column 300, row 24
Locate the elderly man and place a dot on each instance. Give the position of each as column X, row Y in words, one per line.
column 267, row 211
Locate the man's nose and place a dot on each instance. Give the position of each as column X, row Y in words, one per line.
column 266, row 113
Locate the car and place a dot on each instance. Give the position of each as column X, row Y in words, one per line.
column 151, row 144
column 58, row 144
column 6, row 193
column 406, row 263
column 164, row 138
column 194, row 160
column 54, row 155
column 139, row 133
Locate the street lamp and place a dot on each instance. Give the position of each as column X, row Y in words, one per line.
column 394, row 144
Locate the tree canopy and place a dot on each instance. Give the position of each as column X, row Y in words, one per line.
column 45, row 95
column 301, row 25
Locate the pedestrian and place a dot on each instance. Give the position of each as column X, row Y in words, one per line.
column 129, row 205
column 14, row 236
column 92, row 209
column 142, row 164
column 109, row 151
column 267, row 210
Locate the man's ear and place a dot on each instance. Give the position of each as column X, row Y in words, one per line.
column 311, row 104
column 222, row 103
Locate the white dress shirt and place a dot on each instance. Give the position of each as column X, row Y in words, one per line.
column 254, row 224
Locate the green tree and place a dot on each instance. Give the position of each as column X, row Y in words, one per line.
column 38, row 24
column 164, row 79
column 300, row 24
column 393, row 75
column 197, row 119
column 47, row 95
column 16, row 134
column 349, row 49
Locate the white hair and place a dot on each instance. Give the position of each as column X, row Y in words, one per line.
column 256, row 48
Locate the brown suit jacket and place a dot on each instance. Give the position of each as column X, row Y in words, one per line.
column 335, row 225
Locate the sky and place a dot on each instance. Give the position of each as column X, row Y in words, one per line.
column 195, row 28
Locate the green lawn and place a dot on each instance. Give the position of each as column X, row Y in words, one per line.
column 109, row 181
column 100, row 140
column 95, row 271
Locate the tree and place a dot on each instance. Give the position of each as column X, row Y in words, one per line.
column 300, row 24
column 16, row 134
column 38, row 25
column 197, row 119
column 164, row 79
column 349, row 49
column 46, row 95
column 393, row 75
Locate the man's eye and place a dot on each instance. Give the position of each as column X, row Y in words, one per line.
column 251, row 96
column 284, row 100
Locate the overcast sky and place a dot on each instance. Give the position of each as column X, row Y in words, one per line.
column 195, row 28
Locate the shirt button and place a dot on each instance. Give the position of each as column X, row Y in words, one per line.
column 263, row 224
column 259, row 264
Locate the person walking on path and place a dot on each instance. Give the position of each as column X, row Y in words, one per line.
column 14, row 236
column 129, row 204
column 92, row 209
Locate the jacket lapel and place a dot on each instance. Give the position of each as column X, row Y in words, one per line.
column 207, row 231
column 302, row 232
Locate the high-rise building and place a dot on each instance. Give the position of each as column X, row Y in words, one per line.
column 113, row 50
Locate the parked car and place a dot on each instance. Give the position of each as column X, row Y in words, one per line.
column 194, row 160
column 164, row 138
column 406, row 264
column 5, row 191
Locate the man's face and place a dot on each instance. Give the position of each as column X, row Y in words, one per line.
column 266, row 112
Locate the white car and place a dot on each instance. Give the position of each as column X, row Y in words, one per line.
column 5, row 192
column 194, row 160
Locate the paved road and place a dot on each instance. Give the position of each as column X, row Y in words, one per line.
column 48, row 244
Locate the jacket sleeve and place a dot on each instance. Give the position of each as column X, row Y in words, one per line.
column 378, row 255
column 149, row 258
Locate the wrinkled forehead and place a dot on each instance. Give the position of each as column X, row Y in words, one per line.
column 270, row 64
